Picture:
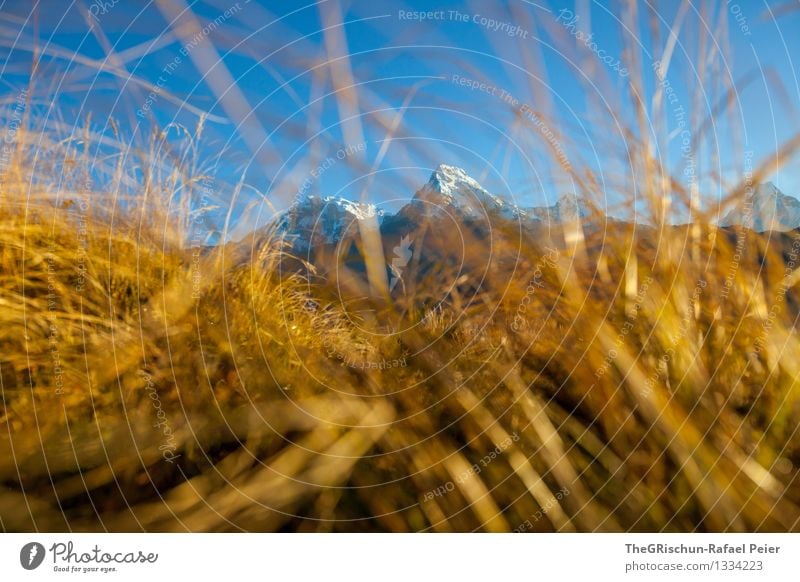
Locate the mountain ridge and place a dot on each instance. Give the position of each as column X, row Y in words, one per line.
column 452, row 192
column 449, row 191
column 765, row 208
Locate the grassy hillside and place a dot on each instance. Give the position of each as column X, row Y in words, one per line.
column 640, row 379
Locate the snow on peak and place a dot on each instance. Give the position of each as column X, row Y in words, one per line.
column 766, row 208
column 314, row 220
column 360, row 210
column 336, row 204
column 450, row 186
column 449, row 181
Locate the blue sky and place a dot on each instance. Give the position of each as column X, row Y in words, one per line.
column 502, row 89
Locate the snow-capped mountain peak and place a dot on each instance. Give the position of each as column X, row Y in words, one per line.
column 359, row 210
column 315, row 220
column 451, row 188
column 767, row 208
column 452, row 182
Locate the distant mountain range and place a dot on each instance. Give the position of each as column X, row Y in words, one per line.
column 450, row 192
column 441, row 244
column 452, row 198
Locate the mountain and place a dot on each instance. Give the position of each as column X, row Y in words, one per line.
column 567, row 209
column 313, row 221
column 450, row 189
column 449, row 195
column 767, row 208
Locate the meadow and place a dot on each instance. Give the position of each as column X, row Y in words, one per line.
column 645, row 376
column 628, row 374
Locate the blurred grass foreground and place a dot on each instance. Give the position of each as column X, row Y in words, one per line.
column 597, row 375
column 149, row 385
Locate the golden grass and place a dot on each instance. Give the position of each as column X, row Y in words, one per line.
column 631, row 378
column 147, row 386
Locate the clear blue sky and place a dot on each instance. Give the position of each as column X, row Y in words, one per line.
column 279, row 119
